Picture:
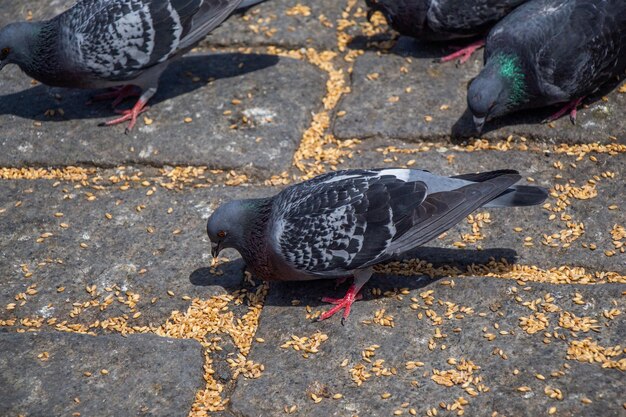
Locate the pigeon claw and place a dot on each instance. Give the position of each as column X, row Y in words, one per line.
column 129, row 116
column 570, row 108
column 465, row 53
column 344, row 304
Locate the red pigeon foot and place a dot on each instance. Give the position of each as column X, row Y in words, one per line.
column 128, row 115
column 568, row 108
column 344, row 304
column 464, row 53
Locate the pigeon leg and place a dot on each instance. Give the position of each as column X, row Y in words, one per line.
column 132, row 114
column 464, row 53
column 345, row 303
column 568, row 108
column 339, row 282
column 117, row 94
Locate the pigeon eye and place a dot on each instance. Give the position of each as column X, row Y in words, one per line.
column 5, row 52
column 221, row 234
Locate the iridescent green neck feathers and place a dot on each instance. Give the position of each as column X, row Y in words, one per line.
column 510, row 69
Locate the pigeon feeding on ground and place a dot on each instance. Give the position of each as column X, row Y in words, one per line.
column 120, row 44
column 548, row 52
column 442, row 20
column 341, row 224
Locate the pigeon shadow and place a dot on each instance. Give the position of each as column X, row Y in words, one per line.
column 181, row 77
column 406, row 46
column 464, row 127
column 311, row 292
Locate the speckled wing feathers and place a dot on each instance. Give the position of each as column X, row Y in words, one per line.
column 349, row 220
column 118, row 39
column 339, row 222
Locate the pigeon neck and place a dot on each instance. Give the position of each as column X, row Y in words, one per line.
column 254, row 228
column 510, row 69
column 32, row 40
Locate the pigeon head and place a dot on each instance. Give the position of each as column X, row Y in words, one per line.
column 499, row 89
column 15, row 42
column 228, row 224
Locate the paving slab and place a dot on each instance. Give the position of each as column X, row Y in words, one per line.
column 45, row 374
column 224, row 110
column 108, row 243
column 15, row 11
column 472, row 339
column 404, row 94
column 291, row 24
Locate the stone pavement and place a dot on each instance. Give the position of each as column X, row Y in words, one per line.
column 106, row 273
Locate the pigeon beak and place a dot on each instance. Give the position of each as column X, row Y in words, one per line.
column 215, row 249
column 479, row 122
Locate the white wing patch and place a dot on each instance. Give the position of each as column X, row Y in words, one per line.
column 399, row 173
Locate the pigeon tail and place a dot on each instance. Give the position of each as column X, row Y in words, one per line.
column 519, row 196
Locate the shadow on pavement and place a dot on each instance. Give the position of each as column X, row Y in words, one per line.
column 311, row 292
column 183, row 76
column 406, row 46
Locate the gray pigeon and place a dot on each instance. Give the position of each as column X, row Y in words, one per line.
column 548, row 52
column 442, row 20
column 343, row 223
column 120, row 44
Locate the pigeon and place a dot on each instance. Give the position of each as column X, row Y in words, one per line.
column 339, row 225
column 548, row 52
column 120, row 44
column 442, row 20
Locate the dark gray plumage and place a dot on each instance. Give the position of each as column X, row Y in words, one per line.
column 442, row 20
column 342, row 223
column 547, row 52
column 111, row 43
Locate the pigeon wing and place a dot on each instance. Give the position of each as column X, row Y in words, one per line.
column 470, row 17
column 342, row 221
column 581, row 57
column 118, row 39
column 442, row 210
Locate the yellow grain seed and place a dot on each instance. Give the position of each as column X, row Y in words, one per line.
column 540, row 377
column 188, row 120
column 385, row 395
column 338, row 396
column 87, row 373
column 104, row 372
column 552, row 410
